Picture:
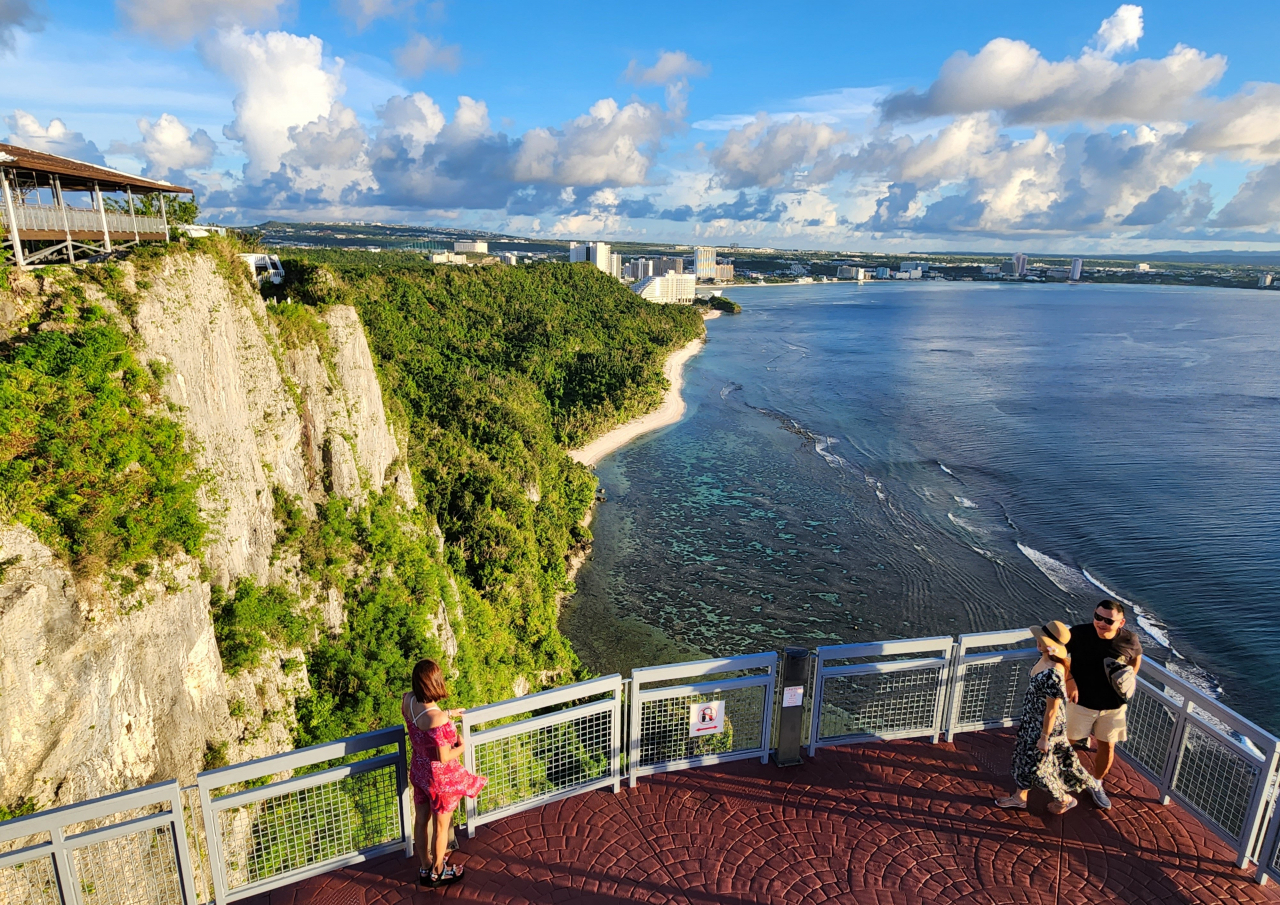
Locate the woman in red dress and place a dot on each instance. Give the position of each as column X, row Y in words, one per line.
column 439, row 779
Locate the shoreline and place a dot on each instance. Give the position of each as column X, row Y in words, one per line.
column 669, row 412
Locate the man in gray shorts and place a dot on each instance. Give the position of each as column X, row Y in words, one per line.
column 1093, row 706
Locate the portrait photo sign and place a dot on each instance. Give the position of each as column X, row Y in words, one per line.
column 706, row 718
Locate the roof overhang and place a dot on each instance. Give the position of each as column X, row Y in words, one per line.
column 77, row 176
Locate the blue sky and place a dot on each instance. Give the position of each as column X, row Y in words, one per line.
column 1089, row 126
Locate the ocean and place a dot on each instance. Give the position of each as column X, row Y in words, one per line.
column 873, row 461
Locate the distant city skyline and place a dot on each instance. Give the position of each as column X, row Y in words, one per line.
column 1084, row 130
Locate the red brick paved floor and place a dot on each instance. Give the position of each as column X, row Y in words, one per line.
column 884, row 824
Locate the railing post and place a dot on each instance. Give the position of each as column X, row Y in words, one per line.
column 406, row 796
column 1257, row 809
column 633, row 729
column 102, row 213
column 815, row 718
column 164, row 216
column 66, row 223
column 946, row 685
column 181, row 852
column 12, row 216
column 132, row 214
column 213, row 842
column 955, row 690
column 469, row 761
column 62, row 861
column 615, row 741
column 1173, row 760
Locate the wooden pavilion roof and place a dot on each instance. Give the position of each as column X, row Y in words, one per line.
column 78, row 176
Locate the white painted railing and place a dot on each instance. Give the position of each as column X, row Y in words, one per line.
column 124, row 849
column 879, row 690
column 261, row 837
column 663, row 706
column 49, row 217
column 544, row 747
column 267, row 823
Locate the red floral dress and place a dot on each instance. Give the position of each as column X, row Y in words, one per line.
column 442, row 784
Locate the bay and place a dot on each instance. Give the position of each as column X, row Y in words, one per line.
column 899, row 460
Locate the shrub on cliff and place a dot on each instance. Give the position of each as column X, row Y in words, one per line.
column 85, row 459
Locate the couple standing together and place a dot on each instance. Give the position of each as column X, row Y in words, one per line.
column 1079, row 688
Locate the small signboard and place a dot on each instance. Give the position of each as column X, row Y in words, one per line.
column 706, row 718
column 793, row 696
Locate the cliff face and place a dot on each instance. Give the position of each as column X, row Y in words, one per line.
column 102, row 690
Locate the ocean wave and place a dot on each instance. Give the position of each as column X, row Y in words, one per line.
column 967, row 525
column 822, row 444
column 1158, row 632
column 946, row 469
column 1066, row 578
column 965, row 502
column 724, row 393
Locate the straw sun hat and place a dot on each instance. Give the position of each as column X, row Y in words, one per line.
column 1055, row 635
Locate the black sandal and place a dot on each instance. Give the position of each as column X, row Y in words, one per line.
column 450, row 873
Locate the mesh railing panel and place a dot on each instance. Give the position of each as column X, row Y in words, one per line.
column 1216, row 780
column 137, row 869
column 1151, row 725
column 309, row 826
column 29, row 883
column 876, row 703
column 664, row 726
column 543, row 762
column 992, row 692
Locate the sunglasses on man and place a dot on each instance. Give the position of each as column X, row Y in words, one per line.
column 1105, row 620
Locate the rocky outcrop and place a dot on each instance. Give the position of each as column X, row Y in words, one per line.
column 100, row 692
column 97, row 700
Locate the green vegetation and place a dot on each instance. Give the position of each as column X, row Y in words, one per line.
column 84, row 461
column 720, row 303
column 250, row 619
column 490, row 372
column 21, row 808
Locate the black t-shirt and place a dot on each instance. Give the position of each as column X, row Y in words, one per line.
column 1087, row 652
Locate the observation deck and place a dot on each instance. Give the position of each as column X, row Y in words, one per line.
column 891, row 823
column 660, row 789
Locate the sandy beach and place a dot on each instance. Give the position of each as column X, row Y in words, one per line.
column 669, row 412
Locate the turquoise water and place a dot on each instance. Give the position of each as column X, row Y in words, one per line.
column 889, row 460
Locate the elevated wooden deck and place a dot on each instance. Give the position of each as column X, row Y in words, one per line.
column 893, row 823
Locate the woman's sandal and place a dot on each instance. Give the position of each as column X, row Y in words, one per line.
column 1012, row 803
column 1061, row 807
column 450, row 873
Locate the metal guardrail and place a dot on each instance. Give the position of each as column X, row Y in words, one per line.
column 568, row 742
column 123, row 849
column 268, row 823
column 882, row 695
column 987, row 686
column 1205, row 756
column 661, row 703
column 57, row 219
column 262, row 836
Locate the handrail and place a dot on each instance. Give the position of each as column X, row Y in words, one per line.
column 665, row 743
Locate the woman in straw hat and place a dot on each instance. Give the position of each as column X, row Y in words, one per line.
column 1042, row 756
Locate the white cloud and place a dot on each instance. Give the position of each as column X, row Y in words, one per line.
column 25, row 131
column 365, row 12
column 169, row 147
column 16, row 14
column 1256, row 204
column 765, row 153
column 1012, row 78
column 178, row 21
column 1244, row 126
column 420, row 53
column 672, row 66
column 608, row 146
column 285, row 83
column 413, row 122
column 1120, row 31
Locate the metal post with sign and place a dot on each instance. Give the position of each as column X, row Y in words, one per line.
column 795, row 676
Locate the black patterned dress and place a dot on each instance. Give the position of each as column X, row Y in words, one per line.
column 1059, row 772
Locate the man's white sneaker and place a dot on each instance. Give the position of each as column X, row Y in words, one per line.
column 1100, row 798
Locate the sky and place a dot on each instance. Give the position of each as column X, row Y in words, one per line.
column 1088, row 127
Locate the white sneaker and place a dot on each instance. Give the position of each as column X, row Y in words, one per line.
column 1100, row 798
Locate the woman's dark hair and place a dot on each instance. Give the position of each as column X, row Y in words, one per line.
column 428, row 682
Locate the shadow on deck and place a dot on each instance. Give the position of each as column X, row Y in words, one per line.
column 893, row 823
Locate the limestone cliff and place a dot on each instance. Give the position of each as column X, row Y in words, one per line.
column 102, row 690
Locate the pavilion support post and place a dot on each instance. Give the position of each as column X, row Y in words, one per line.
column 133, row 214
column 12, row 216
column 102, row 213
column 165, row 217
column 66, row 222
